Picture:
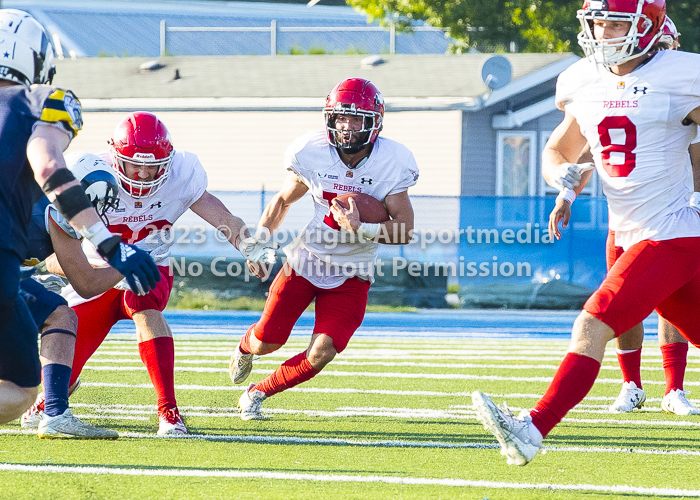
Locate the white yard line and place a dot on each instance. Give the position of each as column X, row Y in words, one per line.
column 337, row 478
column 342, row 390
column 295, row 440
column 337, row 373
column 411, row 364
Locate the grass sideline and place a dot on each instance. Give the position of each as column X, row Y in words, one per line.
column 389, row 418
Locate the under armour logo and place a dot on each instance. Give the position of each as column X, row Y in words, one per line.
column 368, row 181
column 127, row 251
column 156, row 204
column 643, row 90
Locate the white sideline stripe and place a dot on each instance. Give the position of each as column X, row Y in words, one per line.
column 119, row 471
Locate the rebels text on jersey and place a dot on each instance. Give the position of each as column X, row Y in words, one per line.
column 147, row 222
column 21, row 110
column 390, row 169
column 635, row 127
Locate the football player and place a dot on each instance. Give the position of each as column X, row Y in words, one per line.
column 674, row 347
column 50, row 236
column 157, row 185
column 639, row 124
column 349, row 156
column 37, row 122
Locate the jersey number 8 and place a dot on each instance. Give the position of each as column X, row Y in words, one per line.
column 621, row 123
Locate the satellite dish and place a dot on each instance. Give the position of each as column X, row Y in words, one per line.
column 496, row 72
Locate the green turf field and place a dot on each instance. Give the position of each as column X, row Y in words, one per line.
column 390, row 418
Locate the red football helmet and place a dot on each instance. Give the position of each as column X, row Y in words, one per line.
column 669, row 33
column 358, row 97
column 646, row 18
column 142, row 139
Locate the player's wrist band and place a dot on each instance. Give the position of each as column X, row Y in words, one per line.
column 237, row 242
column 72, row 201
column 60, row 177
column 568, row 195
column 368, row 230
column 96, row 234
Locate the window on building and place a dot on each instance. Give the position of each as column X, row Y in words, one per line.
column 517, row 165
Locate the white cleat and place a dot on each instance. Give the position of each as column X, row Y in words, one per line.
column 239, row 366
column 170, row 423
column 66, row 426
column 512, row 433
column 630, row 397
column 675, row 402
column 250, row 404
column 32, row 417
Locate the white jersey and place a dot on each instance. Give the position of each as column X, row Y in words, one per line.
column 389, row 169
column 634, row 125
column 147, row 222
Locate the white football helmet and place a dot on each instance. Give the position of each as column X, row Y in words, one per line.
column 98, row 180
column 26, row 52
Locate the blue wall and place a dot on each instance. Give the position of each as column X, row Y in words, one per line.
column 578, row 257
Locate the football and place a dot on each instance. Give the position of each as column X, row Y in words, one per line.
column 371, row 209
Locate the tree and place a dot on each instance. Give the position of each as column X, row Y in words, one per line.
column 491, row 25
column 686, row 16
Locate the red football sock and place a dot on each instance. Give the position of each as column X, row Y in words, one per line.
column 244, row 345
column 573, row 380
column 631, row 366
column 293, row 372
column 675, row 358
column 159, row 357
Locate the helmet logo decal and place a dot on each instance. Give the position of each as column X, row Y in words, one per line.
column 599, row 5
column 144, row 156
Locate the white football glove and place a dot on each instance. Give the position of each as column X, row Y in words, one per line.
column 160, row 252
column 255, row 250
column 568, row 175
column 123, row 285
column 51, row 282
column 695, row 201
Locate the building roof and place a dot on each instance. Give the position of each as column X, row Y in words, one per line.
column 297, row 82
column 91, row 28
